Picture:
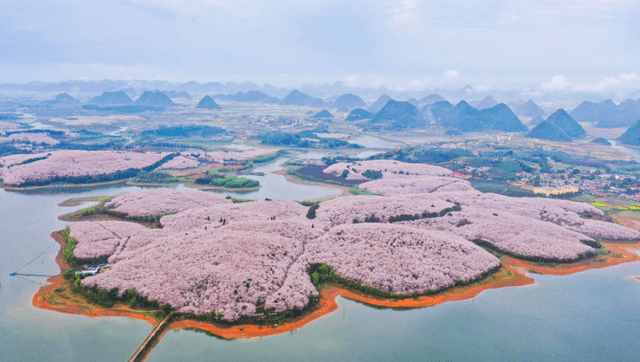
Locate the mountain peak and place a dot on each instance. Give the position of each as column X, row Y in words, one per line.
column 566, row 123
column 487, row 102
column 297, row 98
column 154, row 99
column 109, row 98
column 347, row 102
column 358, row 114
column 548, row 131
column 207, row 103
column 376, row 106
column 632, row 135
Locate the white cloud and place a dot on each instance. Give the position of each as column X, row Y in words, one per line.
column 559, row 83
column 451, row 75
column 405, row 11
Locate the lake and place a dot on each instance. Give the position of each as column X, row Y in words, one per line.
column 589, row 316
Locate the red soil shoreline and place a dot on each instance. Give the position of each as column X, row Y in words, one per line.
column 626, row 256
column 515, row 269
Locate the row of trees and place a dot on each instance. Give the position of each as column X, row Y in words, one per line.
column 322, row 273
column 537, row 259
column 410, row 217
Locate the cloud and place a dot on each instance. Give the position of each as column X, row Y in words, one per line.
column 451, row 75
column 559, row 83
column 406, row 42
column 405, row 11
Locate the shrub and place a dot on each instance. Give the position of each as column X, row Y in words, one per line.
column 374, row 175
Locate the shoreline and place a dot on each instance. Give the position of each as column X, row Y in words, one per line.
column 512, row 273
column 39, row 299
column 626, row 256
column 17, row 188
column 344, row 191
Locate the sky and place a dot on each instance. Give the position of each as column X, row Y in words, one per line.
column 588, row 45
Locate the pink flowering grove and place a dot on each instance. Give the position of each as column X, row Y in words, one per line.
column 214, row 255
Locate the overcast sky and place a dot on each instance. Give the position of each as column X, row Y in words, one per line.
column 407, row 44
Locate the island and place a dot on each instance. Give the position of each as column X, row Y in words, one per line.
column 416, row 236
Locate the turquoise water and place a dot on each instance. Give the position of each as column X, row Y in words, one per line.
column 276, row 187
column 31, row 334
column 589, row 316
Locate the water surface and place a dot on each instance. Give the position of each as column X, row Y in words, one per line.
column 590, row 316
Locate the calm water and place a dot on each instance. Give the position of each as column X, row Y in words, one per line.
column 632, row 150
column 590, row 316
column 375, row 142
column 31, row 334
column 277, row 187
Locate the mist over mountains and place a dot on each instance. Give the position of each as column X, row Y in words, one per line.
column 480, row 96
column 457, row 110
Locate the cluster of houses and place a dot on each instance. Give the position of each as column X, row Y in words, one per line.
column 558, row 184
column 93, row 270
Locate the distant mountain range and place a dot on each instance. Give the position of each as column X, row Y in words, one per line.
column 560, row 126
column 465, row 118
column 251, row 96
column 510, row 94
column 462, row 118
column 607, row 114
